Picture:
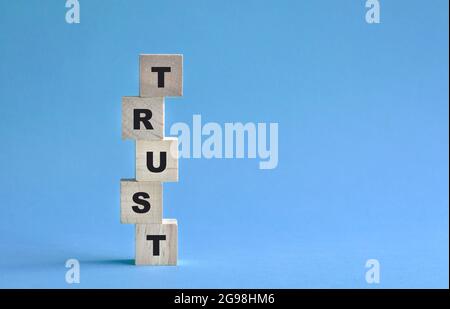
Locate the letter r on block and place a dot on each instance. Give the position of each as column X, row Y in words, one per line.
column 142, row 118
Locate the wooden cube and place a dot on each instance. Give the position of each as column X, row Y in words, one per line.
column 142, row 118
column 140, row 202
column 157, row 160
column 157, row 244
column 161, row 75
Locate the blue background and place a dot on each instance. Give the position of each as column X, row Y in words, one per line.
column 363, row 144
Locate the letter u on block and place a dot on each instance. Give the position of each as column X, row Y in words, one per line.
column 157, row 160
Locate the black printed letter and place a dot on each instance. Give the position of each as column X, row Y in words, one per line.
column 162, row 162
column 156, row 239
column 139, row 198
column 161, row 71
column 144, row 116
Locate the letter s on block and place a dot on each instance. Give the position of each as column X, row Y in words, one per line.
column 139, row 198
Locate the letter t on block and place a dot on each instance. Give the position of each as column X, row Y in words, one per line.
column 161, row 75
column 157, row 244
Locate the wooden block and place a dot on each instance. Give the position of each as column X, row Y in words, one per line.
column 142, row 118
column 140, row 202
column 161, row 75
column 157, row 160
column 157, row 244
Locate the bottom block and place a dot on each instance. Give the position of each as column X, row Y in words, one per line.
column 157, row 244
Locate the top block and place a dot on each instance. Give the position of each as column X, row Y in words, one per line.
column 161, row 75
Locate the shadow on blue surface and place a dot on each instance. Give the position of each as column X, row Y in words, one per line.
column 108, row 262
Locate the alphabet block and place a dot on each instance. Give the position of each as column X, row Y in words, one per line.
column 157, row 160
column 157, row 244
column 161, row 75
column 142, row 118
column 140, row 202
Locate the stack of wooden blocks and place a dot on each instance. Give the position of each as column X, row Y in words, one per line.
column 141, row 199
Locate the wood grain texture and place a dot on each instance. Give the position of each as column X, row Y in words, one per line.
column 168, row 248
column 173, row 80
column 149, row 197
column 154, row 106
column 167, row 148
